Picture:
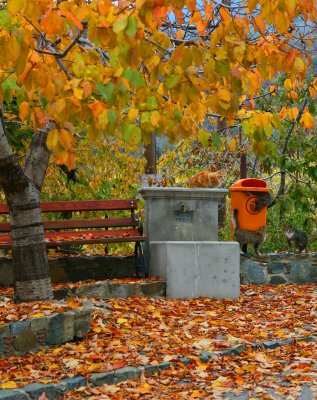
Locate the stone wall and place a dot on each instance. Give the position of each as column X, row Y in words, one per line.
column 79, row 268
column 279, row 268
column 20, row 337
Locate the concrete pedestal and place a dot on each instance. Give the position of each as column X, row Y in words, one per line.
column 197, row 269
column 181, row 214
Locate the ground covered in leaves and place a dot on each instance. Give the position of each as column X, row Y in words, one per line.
column 145, row 331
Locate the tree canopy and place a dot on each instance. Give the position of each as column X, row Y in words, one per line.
column 134, row 67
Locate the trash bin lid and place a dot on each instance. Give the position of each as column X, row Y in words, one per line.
column 249, row 184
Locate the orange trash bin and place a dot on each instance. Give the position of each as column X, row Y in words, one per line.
column 250, row 197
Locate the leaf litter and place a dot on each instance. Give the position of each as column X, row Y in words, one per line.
column 146, row 331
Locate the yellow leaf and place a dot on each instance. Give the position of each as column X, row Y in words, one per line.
column 52, row 139
column 197, row 394
column 15, row 6
column 132, row 114
column 232, row 144
column 288, row 84
column 24, row 110
column 122, row 320
column 307, row 121
column 37, row 315
column 78, row 93
column 220, row 382
column 8, row 385
column 299, row 65
column 145, row 388
column 224, row 97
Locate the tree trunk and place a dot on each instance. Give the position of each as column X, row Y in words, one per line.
column 22, row 191
column 150, row 156
column 222, row 205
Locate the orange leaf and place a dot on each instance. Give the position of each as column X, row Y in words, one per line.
column 260, row 24
column 73, row 19
column 24, row 110
column 197, row 394
column 307, row 121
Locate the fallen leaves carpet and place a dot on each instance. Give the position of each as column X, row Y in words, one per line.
column 145, row 331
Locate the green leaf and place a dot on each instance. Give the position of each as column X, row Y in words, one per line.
column 223, row 67
column 215, row 139
column 145, row 117
column 203, row 137
column 106, row 91
column 5, row 19
column 127, row 130
column 131, row 133
column 178, row 115
column 134, row 77
column 172, row 81
column 112, row 116
column 132, row 26
column 120, row 24
column 152, row 103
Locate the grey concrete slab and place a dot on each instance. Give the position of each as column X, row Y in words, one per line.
column 195, row 269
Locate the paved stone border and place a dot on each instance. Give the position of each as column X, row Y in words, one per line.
column 20, row 337
column 54, row 391
column 107, row 290
column 279, row 268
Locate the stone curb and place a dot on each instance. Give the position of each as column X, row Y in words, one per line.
column 54, row 391
column 20, row 337
column 106, row 290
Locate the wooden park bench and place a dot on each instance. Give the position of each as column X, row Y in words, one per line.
column 62, row 232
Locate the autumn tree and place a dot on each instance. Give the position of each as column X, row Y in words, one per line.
column 130, row 68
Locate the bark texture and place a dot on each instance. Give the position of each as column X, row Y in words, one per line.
column 22, row 191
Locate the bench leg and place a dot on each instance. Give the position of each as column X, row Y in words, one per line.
column 140, row 262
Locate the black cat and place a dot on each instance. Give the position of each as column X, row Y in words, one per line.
column 298, row 237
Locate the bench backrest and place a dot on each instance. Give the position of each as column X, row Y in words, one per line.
column 80, row 206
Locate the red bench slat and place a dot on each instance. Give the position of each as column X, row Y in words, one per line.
column 54, row 239
column 81, row 223
column 82, row 205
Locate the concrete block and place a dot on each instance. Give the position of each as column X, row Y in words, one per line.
column 82, row 322
column 197, row 269
column 4, row 330
column 97, row 290
column 19, row 326
column 38, row 324
column 181, row 214
column 14, row 395
column 52, row 390
column 74, row 383
column 25, row 341
column 60, row 328
column 123, row 374
column 103, row 378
